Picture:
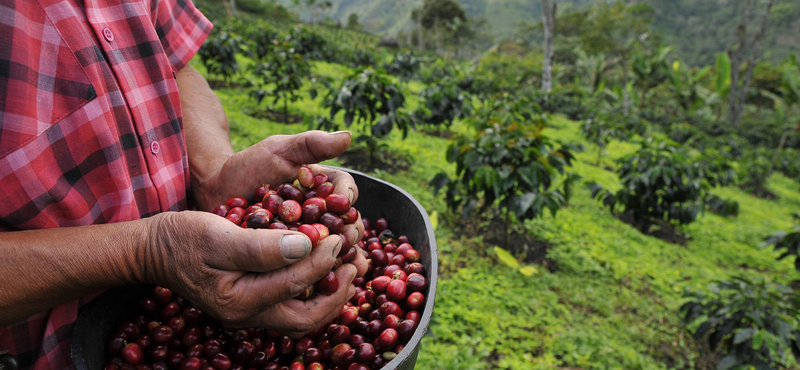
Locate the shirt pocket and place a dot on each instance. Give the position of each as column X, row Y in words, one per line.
column 43, row 84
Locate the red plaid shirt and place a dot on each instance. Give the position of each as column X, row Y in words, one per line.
column 90, row 128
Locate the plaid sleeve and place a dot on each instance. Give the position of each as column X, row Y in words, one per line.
column 181, row 28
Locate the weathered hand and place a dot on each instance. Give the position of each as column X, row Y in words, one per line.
column 245, row 277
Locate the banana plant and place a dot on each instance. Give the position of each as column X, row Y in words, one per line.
column 650, row 70
column 686, row 86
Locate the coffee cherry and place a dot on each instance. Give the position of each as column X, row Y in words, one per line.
column 174, row 359
column 416, row 283
column 315, row 366
column 323, row 230
column 144, row 341
column 402, row 248
column 320, row 179
column 350, row 217
column 351, row 255
column 311, row 355
column 305, row 177
column 307, row 293
column 277, row 225
column 162, row 334
column 396, row 290
column 132, row 354
column 390, row 308
column 374, row 328
column 195, row 351
column 236, row 215
column 348, row 316
column 387, row 339
column 378, row 257
column 329, row 283
column 415, row 301
column 311, row 213
column 270, row 348
column 297, row 365
column 290, row 211
column 338, row 353
column 358, row 367
column 221, row 361
column 406, row 329
column 115, row 345
column 381, row 224
column 236, row 202
column 253, row 208
column 412, row 255
column 243, row 352
column 286, row 345
column 337, row 204
column 318, row 201
column 398, row 260
column 221, row 210
column 259, row 219
column 162, row 295
column 191, row 363
column 192, row 336
column 415, row 267
column 325, row 189
column 333, row 222
column 311, row 232
column 380, row 283
column 290, row 192
column 338, row 334
column 390, row 322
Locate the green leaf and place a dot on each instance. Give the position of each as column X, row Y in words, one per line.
column 743, row 335
column 528, row 270
column 758, row 340
column 727, row 362
column 506, row 257
column 434, row 219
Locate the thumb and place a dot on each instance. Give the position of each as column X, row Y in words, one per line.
column 311, row 146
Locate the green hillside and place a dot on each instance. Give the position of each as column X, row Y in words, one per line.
column 698, row 28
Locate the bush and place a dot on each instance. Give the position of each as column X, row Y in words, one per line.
column 786, row 243
column 362, row 58
column 280, row 75
column 747, row 323
column 366, row 96
column 659, row 183
column 262, row 40
column 564, row 103
column 600, row 133
column 218, row 53
column 312, row 45
column 444, row 103
column 722, row 207
column 754, row 172
column 404, row 65
column 510, row 161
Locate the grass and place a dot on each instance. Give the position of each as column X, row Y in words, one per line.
column 613, row 301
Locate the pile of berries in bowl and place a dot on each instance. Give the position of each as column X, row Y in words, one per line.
column 373, row 328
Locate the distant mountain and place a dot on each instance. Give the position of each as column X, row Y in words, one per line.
column 697, row 28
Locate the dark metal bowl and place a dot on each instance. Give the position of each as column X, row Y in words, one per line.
column 98, row 320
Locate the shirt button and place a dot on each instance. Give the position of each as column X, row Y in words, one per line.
column 154, row 147
column 108, row 34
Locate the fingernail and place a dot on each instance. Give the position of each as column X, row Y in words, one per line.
column 295, row 246
column 352, row 195
column 348, row 132
column 338, row 247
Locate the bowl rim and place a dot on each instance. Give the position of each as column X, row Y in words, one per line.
column 430, row 300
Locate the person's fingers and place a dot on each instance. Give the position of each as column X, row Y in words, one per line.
column 295, row 317
column 342, row 182
column 258, row 291
column 308, row 147
column 256, row 250
column 360, row 262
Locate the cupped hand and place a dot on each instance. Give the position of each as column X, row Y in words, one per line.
column 275, row 160
column 245, row 277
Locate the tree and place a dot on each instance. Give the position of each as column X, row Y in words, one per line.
column 372, row 100
column 511, row 162
column 352, row 22
column 738, row 93
column 650, row 70
column 435, row 14
column 218, row 53
column 790, row 90
column 283, row 69
column 549, row 25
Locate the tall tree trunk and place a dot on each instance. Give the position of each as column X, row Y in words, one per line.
column 626, row 96
column 780, row 147
column 409, row 34
column 438, row 38
column 738, row 94
column 420, row 38
column 548, row 23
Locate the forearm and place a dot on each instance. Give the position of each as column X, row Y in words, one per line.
column 42, row 268
column 206, row 129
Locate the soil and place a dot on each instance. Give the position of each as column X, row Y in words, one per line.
column 358, row 159
column 535, row 250
column 275, row 116
column 661, row 229
column 764, row 193
column 437, row 133
column 221, row 84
